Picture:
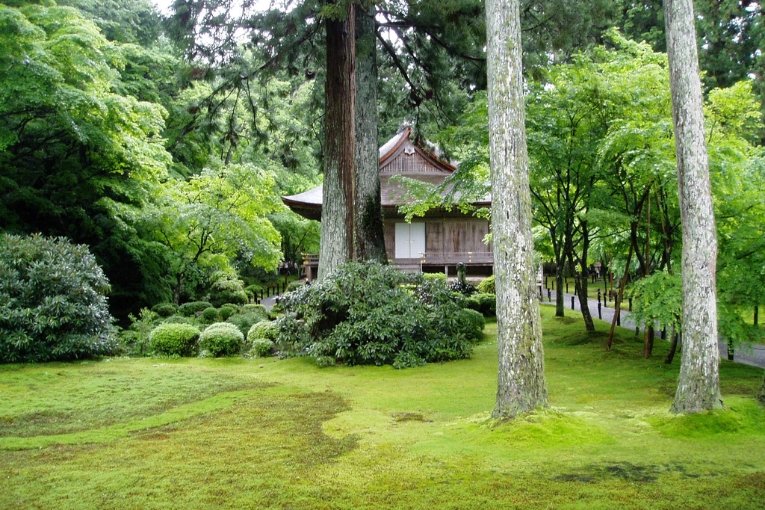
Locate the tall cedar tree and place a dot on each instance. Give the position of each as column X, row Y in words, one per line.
column 698, row 387
column 521, row 382
column 337, row 213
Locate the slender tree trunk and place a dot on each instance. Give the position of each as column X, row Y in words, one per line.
column 369, row 238
column 698, row 387
column 618, row 300
column 521, row 383
column 584, row 280
column 672, row 348
column 761, row 394
column 337, row 218
column 559, row 304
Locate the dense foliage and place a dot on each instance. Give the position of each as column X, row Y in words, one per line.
column 367, row 313
column 53, row 302
column 221, row 339
column 173, row 339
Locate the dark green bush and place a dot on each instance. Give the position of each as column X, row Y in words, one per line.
column 486, row 286
column 228, row 310
column 171, row 339
column 210, row 315
column 471, row 323
column 295, row 285
column 373, row 314
column 244, row 321
column 227, row 290
column 221, row 339
column 261, row 347
column 487, row 304
column 53, row 302
column 192, row 308
column 164, row 309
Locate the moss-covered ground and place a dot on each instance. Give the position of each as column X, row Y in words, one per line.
column 235, row 433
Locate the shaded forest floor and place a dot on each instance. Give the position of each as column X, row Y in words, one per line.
column 268, row 433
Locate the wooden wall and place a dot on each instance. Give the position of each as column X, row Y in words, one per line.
column 446, row 236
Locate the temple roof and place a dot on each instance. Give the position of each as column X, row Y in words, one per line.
column 398, row 156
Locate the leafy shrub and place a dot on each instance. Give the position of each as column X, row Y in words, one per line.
column 253, row 291
column 435, row 276
column 263, row 329
column 245, row 321
column 486, row 286
column 221, row 339
column 471, row 323
column 261, row 347
column 174, row 339
column 53, row 302
column 227, row 290
column 192, row 308
column 210, row 314
column 295, row 285
column 487, row 304
column 258, row 309
column 366, row 313
column 135, row 339
column 228, row 310
column 462, row 287
column 164, row 309
column 179, row 319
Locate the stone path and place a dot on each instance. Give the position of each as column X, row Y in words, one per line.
column 749, row 355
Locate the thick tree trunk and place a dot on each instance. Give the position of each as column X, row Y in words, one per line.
column 337, row 218
column 521, row 383
column 369, row 238
column 698, row 386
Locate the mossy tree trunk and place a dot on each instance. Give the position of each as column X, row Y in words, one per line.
column 337, row 212
column 521, row 382
column 698, row 386
column 369, row 238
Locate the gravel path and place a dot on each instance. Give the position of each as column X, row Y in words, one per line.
column 749, row 355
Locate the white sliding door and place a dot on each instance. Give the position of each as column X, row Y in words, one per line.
column 409, row 240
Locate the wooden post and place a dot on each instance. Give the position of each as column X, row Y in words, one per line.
column 600, row 314
column 756, row 315
column 572, row 302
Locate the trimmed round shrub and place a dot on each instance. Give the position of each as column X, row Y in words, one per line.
column 244, row 321
column 174, row 339
column 164, row 309
column 227, row 310
column 53, row 302
column 221, row 339
column 295, row 285
column 192, row 308
column 487, row 285
column 488, row 304
column 210, row 314
column 263, row 329
column 472, row 323
column 262, row 347
column 227, row 290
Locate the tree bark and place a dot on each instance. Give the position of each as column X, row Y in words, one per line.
column 698, row 386
column 761, row 394
column 337, row 212
column 521, row 383
column 369, row 238
column 584, row 279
